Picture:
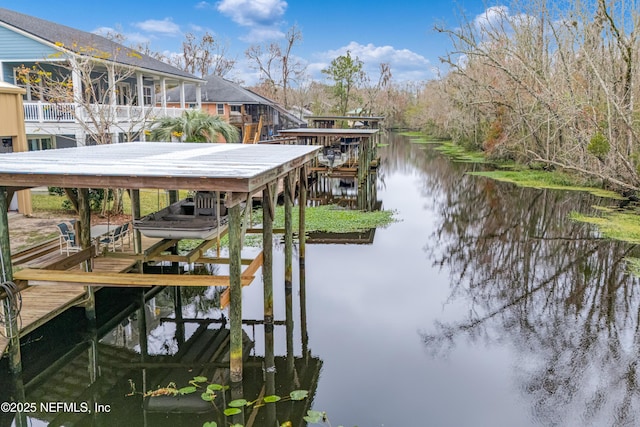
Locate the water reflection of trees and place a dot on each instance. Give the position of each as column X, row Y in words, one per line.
column 548, row 286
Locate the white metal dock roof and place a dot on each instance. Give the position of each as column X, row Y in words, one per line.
column 164, row 165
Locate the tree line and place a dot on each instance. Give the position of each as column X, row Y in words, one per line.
column 283, row 76
column 547, row 83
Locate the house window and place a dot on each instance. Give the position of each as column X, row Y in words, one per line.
column 37, row 144
column 124, row 93
column 148, row 95
column 236, row 108
column 221, row 109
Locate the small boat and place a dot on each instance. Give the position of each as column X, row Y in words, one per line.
column 332, row 158
column 191, row 218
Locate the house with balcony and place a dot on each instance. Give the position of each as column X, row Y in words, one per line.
column 82, row 88
column 256, row 117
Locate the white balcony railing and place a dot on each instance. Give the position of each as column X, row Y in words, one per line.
column 49, row 112
column 45, row 112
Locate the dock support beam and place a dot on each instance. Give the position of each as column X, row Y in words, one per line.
column 136, row 214
column 10, row 316
column 268, row 209
column 235, row 293
column 288, row 267
column 302, row 204
column 84, row 211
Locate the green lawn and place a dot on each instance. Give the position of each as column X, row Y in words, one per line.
column 150, row 201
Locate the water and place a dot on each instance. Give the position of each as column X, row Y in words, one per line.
column 482, row 306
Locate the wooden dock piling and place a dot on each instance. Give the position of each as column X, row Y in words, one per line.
column 6, row 277
column 235, row 309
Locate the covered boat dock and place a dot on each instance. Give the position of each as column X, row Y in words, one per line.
column 238, row 170
column 345, row 152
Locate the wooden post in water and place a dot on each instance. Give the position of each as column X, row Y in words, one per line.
column 84, row 211
column 235, row 294
column 268, row 212
column 267, row 274
column 288, row 267
column 288, row 234
column 302, row 204
column 6, row 277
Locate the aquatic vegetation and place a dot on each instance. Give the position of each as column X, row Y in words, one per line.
column 633, row 266
column 424, row 140
column 616, row 225
column 333, row 219
column 460, row 154
column 329, row 219
column 623, row 226
column 234, row 407
column 546, row 179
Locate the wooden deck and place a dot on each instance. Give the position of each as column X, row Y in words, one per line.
column 56, row 283
column 41, row 304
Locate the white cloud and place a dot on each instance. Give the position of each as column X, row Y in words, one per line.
column 131, row 39
column 105, row 31
column 261, row 34
column 491, row 17
column 249, row 13
column 136, row 39
column 405, row 64
column 165, row 26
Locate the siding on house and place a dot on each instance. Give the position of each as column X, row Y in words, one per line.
column 17, row 47
column 21, row 50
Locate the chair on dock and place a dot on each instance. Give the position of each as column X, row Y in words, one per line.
column 125, row 234
column 113, row 239
column 67, row 239
column 117, row 238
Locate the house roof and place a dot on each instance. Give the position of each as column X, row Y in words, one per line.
column 218, row 90
column 164, row 165
column 78, row 42
column 342, row 133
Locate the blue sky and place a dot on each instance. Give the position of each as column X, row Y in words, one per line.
column 400, row 33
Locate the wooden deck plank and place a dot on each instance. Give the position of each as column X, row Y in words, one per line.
column 67, row 288
column 40, row 277
column 37, row 306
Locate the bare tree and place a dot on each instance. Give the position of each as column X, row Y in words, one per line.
column 93, row 88
column 549, row 84
column 204, row 56
column 278, row 68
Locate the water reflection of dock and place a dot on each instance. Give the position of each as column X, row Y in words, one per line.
column 148, row 343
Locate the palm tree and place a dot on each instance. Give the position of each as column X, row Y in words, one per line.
column 193, row 126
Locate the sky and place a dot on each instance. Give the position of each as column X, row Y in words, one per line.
column 400, row 33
